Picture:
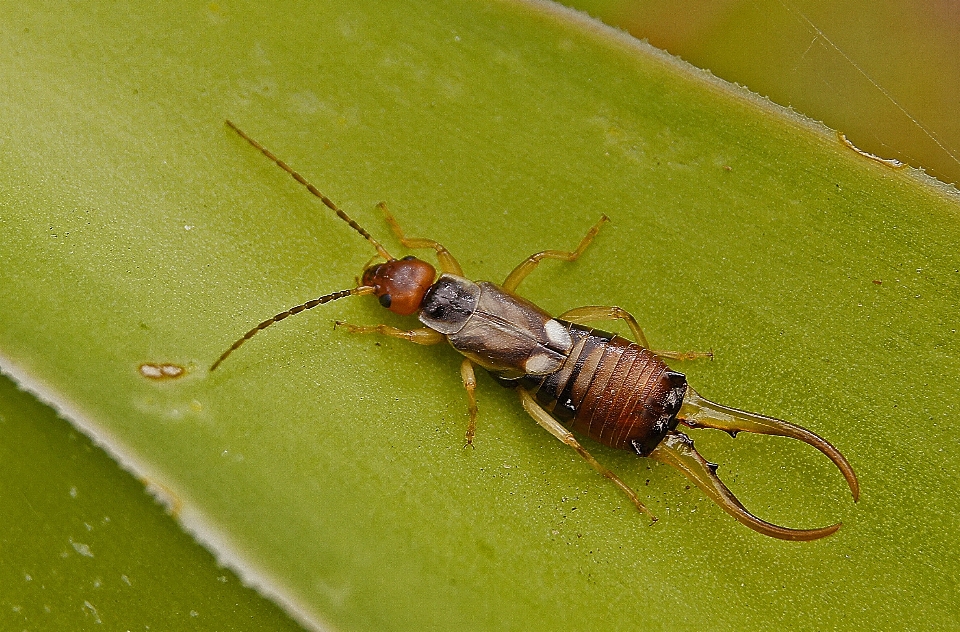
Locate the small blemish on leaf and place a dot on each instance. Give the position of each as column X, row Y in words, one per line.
column 161, row 371
column 890, row 162
column 164, row 495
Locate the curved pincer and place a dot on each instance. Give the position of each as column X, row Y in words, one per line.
column 699, row 412
column 677, row 450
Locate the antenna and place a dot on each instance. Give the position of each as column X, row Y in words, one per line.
column 312, row 189
column 363, row 289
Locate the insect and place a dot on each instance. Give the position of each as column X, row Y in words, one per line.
column 569, row 377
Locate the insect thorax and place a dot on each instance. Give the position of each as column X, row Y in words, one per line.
column 449, row 303
column 495, row 328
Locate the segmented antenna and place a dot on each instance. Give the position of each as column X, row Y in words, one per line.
column 363, row 289
column 312, row 189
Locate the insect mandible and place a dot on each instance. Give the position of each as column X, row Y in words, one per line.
column 569, row 377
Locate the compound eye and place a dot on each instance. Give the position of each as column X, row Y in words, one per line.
column 385, row 300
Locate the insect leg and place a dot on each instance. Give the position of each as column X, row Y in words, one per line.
column 447, row 262
column 552, row 426
column 422, row 336
column 592, row 313
column 530, row 263
column 470, row 384
column 425, row 336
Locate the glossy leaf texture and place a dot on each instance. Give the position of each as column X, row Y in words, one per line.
column 329, row 469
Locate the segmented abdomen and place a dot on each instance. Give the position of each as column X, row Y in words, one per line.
column 611, row 390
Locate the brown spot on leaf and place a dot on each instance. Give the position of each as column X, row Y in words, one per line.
column 162, row 371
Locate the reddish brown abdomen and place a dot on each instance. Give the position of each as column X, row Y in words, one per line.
column 612, row 390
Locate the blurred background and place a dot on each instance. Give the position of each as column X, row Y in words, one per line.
column 886, row 73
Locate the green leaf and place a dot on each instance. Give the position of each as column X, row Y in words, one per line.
column 329, row 469
column 84, row 548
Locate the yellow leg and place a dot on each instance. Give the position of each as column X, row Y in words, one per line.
column 594, row 313
column 552, row 426
column 470, row 384
column 447, row 263
column 425, row 336
column 530, row 263
column 422, row 336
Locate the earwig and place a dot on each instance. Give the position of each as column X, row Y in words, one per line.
column 570, row 378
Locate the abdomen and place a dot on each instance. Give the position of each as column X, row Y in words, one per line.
column 611, row 390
